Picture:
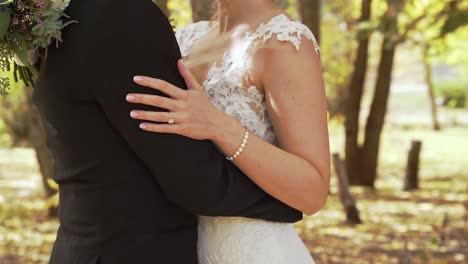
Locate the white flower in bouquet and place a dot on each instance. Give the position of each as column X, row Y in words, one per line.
column 60, row 4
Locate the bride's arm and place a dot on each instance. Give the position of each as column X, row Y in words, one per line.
column 298, row 171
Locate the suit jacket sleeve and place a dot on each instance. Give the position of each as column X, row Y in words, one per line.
column 193, row 174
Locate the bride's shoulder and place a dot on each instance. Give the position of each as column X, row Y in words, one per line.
column 283, row 29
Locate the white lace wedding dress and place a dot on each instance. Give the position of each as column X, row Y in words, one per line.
column 236, row 240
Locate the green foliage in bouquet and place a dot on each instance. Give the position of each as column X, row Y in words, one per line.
column 27, row 28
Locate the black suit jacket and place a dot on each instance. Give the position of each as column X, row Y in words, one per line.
column 128, row 196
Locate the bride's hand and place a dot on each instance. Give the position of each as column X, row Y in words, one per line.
column 193, row 113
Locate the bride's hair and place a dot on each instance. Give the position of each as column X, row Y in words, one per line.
column 216, row 9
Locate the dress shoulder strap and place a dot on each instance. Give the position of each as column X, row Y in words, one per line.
column 286, row 29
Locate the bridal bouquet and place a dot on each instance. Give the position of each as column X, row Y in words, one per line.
column 27, row 28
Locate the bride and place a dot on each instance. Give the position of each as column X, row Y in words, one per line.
column 263, row 104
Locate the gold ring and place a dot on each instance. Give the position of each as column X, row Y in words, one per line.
column 171, row 120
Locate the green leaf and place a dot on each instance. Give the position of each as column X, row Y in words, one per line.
column 21, row 50
column 4, row 23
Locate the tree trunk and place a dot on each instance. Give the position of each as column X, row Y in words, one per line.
column 376, row 118
column 202, row 9
column 14, row 116
column 163, row 6
column 353, row 104
column 412, row 167
column 378, row 110
column 309, row 11
column 27, row 117
column 430, row 88
column 346, row 198
column 38, row 140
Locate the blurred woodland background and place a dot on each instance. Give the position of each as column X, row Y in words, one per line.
column 396, row 73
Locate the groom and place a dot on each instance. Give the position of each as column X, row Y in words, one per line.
column 126, row 196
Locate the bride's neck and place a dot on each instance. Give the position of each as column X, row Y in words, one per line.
column 232, row 13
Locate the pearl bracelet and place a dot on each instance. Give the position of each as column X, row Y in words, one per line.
column 242, row 146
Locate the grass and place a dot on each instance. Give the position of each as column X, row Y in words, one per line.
column 26, row 233
column 4, row 138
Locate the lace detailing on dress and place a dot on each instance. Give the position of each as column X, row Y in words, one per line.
column 286, row 29
column 187, row 35
column 235, row 240
column 247, row 105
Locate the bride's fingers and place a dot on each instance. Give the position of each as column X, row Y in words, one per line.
column 190, row 80
column 154, row 100
column 162, row 128
column 150, row 116
column 160, row 85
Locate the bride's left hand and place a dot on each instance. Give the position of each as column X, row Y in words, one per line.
column 194, row 114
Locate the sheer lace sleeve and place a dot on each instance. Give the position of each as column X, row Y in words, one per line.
column 187, row 35
column 288, row 30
